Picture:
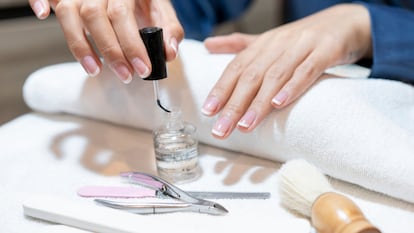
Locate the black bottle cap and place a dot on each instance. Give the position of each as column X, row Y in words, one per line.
column 153, row 41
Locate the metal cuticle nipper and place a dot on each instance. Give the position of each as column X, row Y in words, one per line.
column 183, row 201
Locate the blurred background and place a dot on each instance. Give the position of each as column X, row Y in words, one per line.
column 28, row 44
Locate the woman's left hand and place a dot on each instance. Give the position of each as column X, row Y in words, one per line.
column 273, row 69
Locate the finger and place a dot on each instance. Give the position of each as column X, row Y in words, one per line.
column 121, row 15
column 303, row 77
column 233, row 43
column 235, row 89
column 223, row 88
column 67, row 12
column 242, row 96
column 41, row 8
column 274, row 79
column 144, row 14
column 54, row 3
column 160, row 13
column 95, row 18
column 173, row 31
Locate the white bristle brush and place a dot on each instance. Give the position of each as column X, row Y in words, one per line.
column 305, row 190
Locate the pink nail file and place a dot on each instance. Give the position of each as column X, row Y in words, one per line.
column 115, row 192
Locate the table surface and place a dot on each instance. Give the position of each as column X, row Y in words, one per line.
column 56, row 154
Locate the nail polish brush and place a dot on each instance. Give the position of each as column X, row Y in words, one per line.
column 305, row 190
column 154, row 44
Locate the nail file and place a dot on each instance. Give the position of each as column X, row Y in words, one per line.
column 230, row 195
column 84, row 216
column 141, row 192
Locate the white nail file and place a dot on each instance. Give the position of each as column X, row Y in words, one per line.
column 59, row 228
column 85, row 216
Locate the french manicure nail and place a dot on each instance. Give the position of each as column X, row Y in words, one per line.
column 210, row 105
column 122, row 72
column 280, row 98
column 222, row 126
column 39, row 9
column 174, row 45
column 90, row 65
column 248, row 119
column 140, row 67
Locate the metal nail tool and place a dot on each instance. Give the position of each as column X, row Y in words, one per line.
column 183, row 200
column 144, row 180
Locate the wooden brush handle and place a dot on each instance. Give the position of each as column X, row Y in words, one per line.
column 335, row 213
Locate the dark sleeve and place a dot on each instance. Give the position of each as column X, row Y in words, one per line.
column 392, row 31
column 199, row 17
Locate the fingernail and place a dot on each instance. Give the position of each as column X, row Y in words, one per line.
column 248, row 119
column 210, row 105
column 280, row 98
column 39, row 9
column 140, row 67
column 174, row 45
column 222, row 126
column 90, row 66
column 122, row 72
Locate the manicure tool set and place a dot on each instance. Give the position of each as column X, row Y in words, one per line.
column 156, row 187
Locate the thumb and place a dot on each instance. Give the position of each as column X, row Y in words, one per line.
column 172, row 28
column 232, row 43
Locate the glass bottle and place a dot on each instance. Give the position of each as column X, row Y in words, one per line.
column 176, row 149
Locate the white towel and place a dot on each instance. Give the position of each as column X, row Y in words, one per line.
column 357, row 130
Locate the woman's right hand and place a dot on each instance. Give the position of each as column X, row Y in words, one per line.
column 113, row 26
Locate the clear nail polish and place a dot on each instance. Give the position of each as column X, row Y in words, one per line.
column 176, row 149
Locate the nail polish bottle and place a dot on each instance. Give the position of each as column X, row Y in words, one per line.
column 176, row 149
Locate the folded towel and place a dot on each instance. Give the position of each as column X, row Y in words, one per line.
column 355, row 129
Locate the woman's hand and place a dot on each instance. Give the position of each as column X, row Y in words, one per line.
column 113, row 26
column 275, row 68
